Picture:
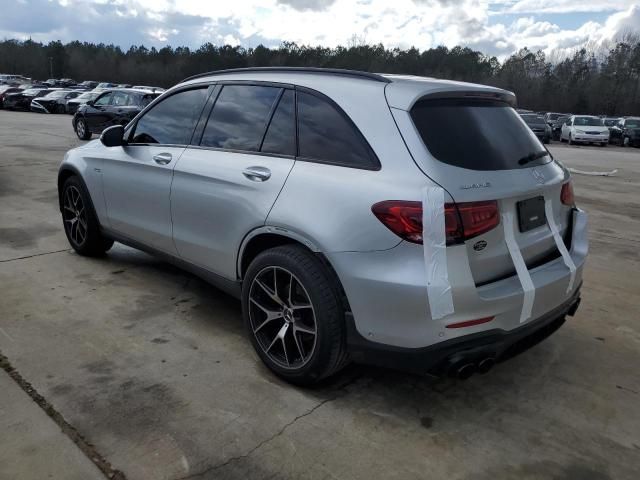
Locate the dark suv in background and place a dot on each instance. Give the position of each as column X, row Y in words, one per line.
column 626, row 132
column 113, row 107
column 538, row 125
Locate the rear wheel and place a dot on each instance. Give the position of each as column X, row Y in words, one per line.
column 80, row 222
column 82, row 129
column 294, row 316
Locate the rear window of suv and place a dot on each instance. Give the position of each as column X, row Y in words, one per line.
column 477, row 134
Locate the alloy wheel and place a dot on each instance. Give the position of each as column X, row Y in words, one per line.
column 80, row 128
column 75, row 215
column 282, row 317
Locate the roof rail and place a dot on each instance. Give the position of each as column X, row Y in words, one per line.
column 329, row 71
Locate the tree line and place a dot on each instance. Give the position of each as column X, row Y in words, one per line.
column 586, row 82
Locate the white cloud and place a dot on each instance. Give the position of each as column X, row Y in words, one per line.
column 400, row 23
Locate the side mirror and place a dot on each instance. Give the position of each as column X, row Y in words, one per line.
column 90, row 102
column 113, row 136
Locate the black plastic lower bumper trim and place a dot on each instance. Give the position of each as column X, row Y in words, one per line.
column 498, row 344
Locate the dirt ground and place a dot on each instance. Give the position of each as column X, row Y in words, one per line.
column 151, row 366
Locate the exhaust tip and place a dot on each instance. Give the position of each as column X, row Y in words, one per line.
column 465, row 371
column 485, row 365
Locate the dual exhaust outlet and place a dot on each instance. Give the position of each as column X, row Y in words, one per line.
column 463, row 368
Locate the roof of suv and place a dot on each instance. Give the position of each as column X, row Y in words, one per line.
column 402, row 91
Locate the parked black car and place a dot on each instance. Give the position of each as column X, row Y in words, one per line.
column 556, row 127
column 113, row 107
column 538, row 126
column 626, row 132
column 84, row 97
column 6, row 90
column 53, row 102
column 22, row 100
column 551, row 117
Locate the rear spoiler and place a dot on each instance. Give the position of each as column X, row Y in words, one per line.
column 501, row 96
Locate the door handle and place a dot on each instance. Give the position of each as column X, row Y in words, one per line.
column 162, row 158
column 257, row 174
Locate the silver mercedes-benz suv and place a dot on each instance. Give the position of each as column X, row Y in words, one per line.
column 394, row 220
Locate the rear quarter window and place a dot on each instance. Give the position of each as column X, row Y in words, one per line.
column 326, row 135
column 476, row 134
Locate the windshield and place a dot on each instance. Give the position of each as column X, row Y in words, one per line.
column 31, row 91
column 588, row 122
column 476, row 134
column 635, row 123
column 610, row 122
column 87, row 96
column 554, row 116
column 533, row 119
column 56, row 94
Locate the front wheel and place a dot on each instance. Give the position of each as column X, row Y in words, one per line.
column 82, row 129
column 80, row 222
column 294, row 315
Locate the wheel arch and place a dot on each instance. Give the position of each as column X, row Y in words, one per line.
column 65, row 172
column 264, row 238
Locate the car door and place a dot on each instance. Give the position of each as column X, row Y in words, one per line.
column 96, row 114
column 225, row 185
column 123, row 108
column 137, row 176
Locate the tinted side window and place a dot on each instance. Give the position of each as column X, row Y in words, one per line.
column 281, row 135
column 104, row 99
column 239, row 117
column 120, row 99
column 325, row 134
column 172, row 121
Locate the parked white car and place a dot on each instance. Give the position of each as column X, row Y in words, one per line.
column 585, row 129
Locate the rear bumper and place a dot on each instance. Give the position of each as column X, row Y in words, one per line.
column 388, row 298
column 442, row 358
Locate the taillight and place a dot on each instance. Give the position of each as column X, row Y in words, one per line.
column 566, row 195
column 462, row 220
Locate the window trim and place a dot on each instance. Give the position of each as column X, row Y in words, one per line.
column 161, row 98
column 375, row 161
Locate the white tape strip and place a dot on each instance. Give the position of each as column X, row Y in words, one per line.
column 435, row 252
column 521, row 268
column 568, row 261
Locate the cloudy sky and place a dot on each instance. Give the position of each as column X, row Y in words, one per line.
column 496, row 27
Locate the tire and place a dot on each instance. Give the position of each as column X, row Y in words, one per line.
column 82, row 130
column 60, row 109
column 80, row 221
column 570, row 140
column 624, row 142
column 286, row 342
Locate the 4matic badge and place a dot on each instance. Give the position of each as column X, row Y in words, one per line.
column 475, row 185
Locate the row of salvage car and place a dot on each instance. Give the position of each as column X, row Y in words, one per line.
column 583, row 129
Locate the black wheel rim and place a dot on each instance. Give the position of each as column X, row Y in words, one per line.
column 74, row 215
column 282, row 317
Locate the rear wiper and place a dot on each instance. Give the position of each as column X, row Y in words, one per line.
column 533, row 156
